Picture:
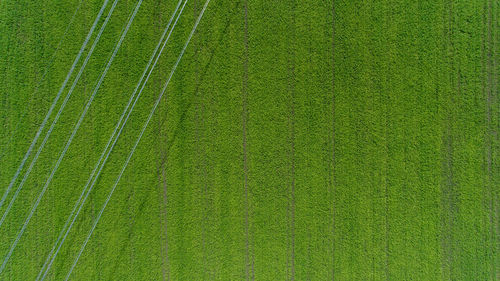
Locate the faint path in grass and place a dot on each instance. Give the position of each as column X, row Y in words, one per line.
column 166, row 268
column 449, row 199
column 488, row 140
column 491, row 89
column 386, row 86
column 87, row 90
column 249, row 262
column 201, row 153
column 496, row 135
column 496, row 132
column 387, row 229
column 130, row 232
column 291, row 90
column 332, row 165
column 204, row 190
column 162, row 168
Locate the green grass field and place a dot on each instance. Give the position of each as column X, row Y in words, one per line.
column 297, row 140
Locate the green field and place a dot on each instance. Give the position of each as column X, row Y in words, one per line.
column 297, row 140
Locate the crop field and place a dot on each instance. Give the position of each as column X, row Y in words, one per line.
column 250, row 140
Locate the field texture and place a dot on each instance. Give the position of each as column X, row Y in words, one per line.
column 296, row 140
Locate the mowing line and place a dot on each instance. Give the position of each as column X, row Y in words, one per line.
column 485, row 88
column 490, row 89
column 488, row 124
column 291, row 119
column 496, row 205
column 105, row 155
column 40, row 148
column 138, row 140
column 166, row 269
column 249, row 265
column 203, row 167
column 333, row 173
column 162, row 181
column 387, row 226
column 292, row 190
column 454, row 200
column 117, row 47
column 56, row 99
column 49, row 65
column 201, row 153
column 448, row 184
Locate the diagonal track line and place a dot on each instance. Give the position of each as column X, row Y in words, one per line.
column 39, row 151
column 103, row 75
column 138, row 140
column 56, row 99
column 86, row 191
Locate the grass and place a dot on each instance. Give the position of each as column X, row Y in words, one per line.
column 299, row 140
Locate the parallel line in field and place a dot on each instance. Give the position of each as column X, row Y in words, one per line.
column 333, row 160
column 162, row 180
column 387, row 229
column 201, row 158
column 496, row 138
column 387, row 226
column 490, row 89
column 488, row 126
column 204, row 191
column 496, row 134
column 291, row 120
column 292, row 191
column 455, row 188
column 448, row 200
column 447, row 164
column 485, row 92
column 166, row 268
column 249, row 262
